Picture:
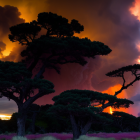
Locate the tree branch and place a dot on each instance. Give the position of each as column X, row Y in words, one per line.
column 119, row 91
column 8, row 93
column 32, row 99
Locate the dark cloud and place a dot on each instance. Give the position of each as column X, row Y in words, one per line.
column 9, row 16
column 135, row 98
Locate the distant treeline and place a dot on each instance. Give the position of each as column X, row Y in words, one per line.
column 58, row 124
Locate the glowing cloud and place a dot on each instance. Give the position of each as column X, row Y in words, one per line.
column 135, row 9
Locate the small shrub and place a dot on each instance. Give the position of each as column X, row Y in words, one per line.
column 28, row 132
column 49, row 138
column 137, row 138
column 19, row 138
column 96, row 131
column 6, row 132
column 90, row 132
column 64, row 133
column 3, row 139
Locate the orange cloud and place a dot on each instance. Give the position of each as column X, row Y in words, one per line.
column 122, row 95
column 135, row 9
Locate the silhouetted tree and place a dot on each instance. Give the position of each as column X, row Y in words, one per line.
column 13, row 77
column 121, row 120
column 125, row 121
column 33, row 110
column 75, row 104
column 138, row 118
column 120, row 73
column 61, row 49
column 13, row 121
column 52, row 123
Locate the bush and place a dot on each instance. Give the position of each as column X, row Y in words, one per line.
column 109, row 129
column 28, row 132
column 6, row 132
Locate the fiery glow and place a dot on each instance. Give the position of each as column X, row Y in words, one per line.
column 135, row 10
column 138, row 60
column 5, row 117
column 122, row 95
column 138, row 48
column 111, row 110
column 111, row 91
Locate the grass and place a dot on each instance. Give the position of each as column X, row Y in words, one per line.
column 84, row 137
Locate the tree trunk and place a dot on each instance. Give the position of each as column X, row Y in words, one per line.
column 32, row 125
column 86, row 128
column 76, row 132
column 21, row 124
column 79, row 130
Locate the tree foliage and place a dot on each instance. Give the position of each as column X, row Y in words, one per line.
column 19, row 32
column 75, row 105
column 59, row 46
column 14, row 77
column 11, row 74
column 125, row 121
column 58, row 25
column 57, row 41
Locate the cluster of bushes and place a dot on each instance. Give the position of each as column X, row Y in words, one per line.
column 53, row 124
column 50, row 124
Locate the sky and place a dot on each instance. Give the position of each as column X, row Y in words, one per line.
column 116, row 23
